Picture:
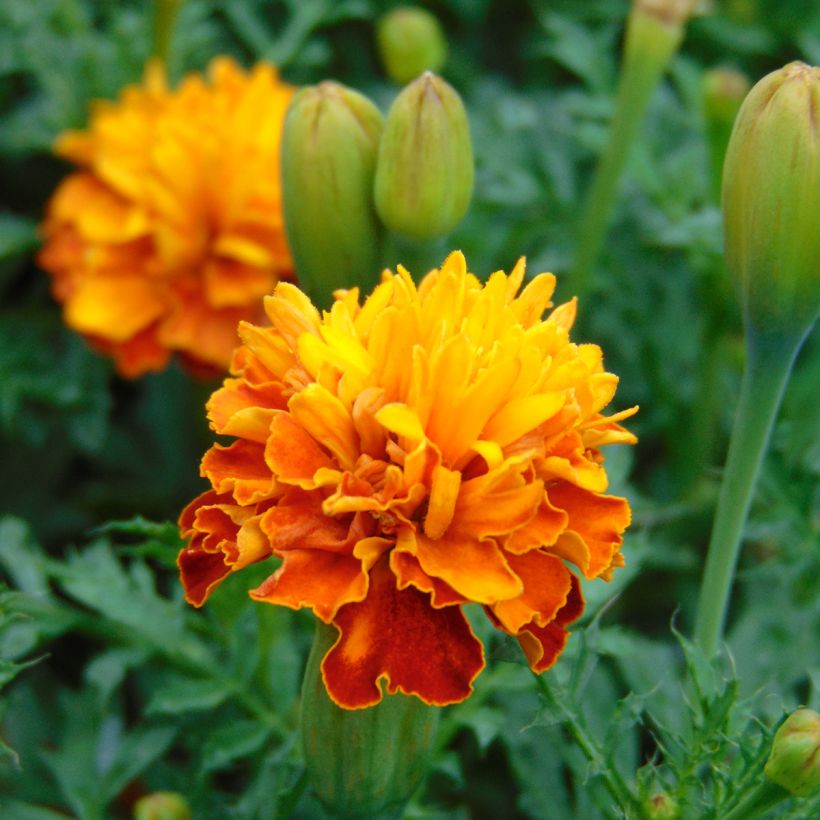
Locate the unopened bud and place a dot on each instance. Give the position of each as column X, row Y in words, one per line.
column 162, row 806
column 424, row 177
column 660, row 806
column 794, row 762
column 410, row 41
column 329, row 147
column 771, row 199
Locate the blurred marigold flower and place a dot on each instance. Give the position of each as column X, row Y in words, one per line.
column 433, row 447
column 171, row 230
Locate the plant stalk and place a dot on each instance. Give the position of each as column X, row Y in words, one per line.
column 165, row 16
column 768, row 365
column 650, row 45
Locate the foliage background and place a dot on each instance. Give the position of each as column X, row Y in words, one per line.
column 115, row 688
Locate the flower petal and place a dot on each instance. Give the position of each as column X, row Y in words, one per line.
column 321, row 580
column 397, row 636
column 292, row 454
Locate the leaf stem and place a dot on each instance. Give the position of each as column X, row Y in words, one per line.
column 768, row 364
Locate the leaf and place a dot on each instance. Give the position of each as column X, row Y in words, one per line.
column 229, row 743
column 138, row 750
column 17, row 235
column 186, row 695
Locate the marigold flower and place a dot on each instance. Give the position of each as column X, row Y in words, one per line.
column 171, row 230
column 435, row 446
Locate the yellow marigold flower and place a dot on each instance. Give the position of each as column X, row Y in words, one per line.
column 435, row 446
column 171, row 230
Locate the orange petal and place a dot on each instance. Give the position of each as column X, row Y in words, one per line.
column 323, row 581
column 547, row 584
column 476, row 569
column 239, row 469
column 292, row 454
column 599, row 520
column 244, row 410
column 397, row 636
column 328, row 421
column 302, row 525
column 543, row 644
column 408, row 572
column 543, row 529
column 114, row 307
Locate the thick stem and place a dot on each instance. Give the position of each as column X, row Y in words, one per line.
column 768, row 364
column 650, row 45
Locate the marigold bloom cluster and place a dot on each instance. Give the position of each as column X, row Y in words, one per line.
column 171, row 230
column 432, row 447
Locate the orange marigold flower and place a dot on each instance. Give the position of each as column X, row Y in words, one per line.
column 433, row 447
column 171, row 231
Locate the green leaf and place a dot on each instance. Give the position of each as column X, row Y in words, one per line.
column 17, row 235
column 229, row 743
column 186, row 695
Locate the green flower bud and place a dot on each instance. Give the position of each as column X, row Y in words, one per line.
column 162, row 806
column 724, row 89
column 363, row 762
column 794, row 762
column 410, row 41
column 771, row 199
column 424, row 176
column 329, row 147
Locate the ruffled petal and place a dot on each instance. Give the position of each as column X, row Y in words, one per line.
column 397, row 636
column 321, row 580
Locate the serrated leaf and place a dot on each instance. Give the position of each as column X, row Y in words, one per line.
column 229, row 743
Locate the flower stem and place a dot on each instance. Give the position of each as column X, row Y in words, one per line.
column 762, row 798
column 615, row 784
column 165, row 15
column 768, row 364
column 650, row 45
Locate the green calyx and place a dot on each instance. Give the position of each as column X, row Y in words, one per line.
column 771, row 198
column 363, row 762
column 424, row 176
column 329, row 147
column 410, row 41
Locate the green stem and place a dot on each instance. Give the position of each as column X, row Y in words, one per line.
column 759, row 800
column 165, row 15
column 615, row 784
column 650, row 45
column 768, row 364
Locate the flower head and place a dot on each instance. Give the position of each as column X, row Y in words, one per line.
column 170, row 231
column 435, row 446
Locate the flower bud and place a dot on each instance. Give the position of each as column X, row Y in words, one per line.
column 424, row 176
column 771, row 199
column 410, row 41
column 794, row 762
column 162, row 806
column 362, row 762
column 660, row 806
column 329, row 148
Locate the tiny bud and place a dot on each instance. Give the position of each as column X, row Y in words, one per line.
column 794, row 762
column 410, row 41
column 771, row 199
column 660, row 806
column 424, row 176
column 329, row 148
column 162, row 806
